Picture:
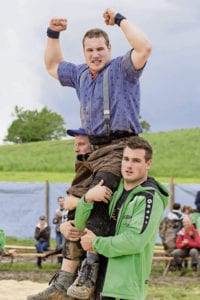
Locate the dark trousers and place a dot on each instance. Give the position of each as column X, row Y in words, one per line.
column 99, row 219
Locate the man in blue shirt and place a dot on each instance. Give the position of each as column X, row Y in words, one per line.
column 109, row 94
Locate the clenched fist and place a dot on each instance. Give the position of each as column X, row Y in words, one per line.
column 58, row 24
column 109, row 16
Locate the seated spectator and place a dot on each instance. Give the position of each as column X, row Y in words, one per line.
column 42, row 237
column 187, row 244
column 169, row 228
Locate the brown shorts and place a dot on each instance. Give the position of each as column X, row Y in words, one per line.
column 106, row 158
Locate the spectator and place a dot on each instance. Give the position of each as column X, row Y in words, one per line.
column 195, row 217
column 42, row 237
column 187, row 210
column 60, row 216
column 2, row 241
column 169, row 228
column 176, row 212
column 187, row 244
column 197, row 201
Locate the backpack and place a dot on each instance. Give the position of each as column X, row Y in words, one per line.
column 168, row 231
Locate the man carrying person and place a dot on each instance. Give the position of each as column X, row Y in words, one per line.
column 136, row 210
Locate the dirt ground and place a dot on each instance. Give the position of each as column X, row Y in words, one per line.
column 19, row 290
column 17, row 286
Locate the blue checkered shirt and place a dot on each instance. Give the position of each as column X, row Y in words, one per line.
column 124, row 95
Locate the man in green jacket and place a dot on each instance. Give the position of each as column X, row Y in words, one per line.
column 136, row 210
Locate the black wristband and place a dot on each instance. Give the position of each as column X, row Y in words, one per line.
column 52, row 33
column 119, row 18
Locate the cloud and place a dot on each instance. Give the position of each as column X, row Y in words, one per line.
column 170, row 87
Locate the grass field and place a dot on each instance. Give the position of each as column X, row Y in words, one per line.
column 176, row 153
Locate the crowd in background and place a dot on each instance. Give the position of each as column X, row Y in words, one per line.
column 180, row 235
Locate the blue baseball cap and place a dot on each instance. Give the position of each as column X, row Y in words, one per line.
column 74, row 132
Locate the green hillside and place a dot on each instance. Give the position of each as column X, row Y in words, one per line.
column 176, row 153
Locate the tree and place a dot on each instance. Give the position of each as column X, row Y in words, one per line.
column 35, row 126
column 145, row 125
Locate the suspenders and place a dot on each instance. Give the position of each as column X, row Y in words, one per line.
column 106, row 111
column 105, row 97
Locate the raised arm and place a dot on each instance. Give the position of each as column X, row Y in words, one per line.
column 53, row 54
column 136, row 38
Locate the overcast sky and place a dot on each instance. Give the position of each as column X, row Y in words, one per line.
column 170, row 89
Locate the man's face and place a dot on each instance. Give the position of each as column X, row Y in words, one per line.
column 82, row 144
column 42, row 222
column 61, row 202
column 134, row 167
column 97, row 53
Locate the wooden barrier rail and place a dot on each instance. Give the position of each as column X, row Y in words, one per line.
column 13, row 251
column 23, row 248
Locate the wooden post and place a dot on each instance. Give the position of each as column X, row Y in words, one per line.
column 171, row 195
column 47, row 200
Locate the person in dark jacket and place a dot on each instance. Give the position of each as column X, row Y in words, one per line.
column 59, row 217
column 42, row 237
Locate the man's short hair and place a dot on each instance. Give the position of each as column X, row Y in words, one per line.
column 96, row 33
column 137, row 142
column 176, row 205
column 60, row 197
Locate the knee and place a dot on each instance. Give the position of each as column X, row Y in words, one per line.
column 194, row 252
column 175, row 253
column 110, row 180
column 73, row 251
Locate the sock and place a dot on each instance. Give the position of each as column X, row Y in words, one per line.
column 92, row 256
